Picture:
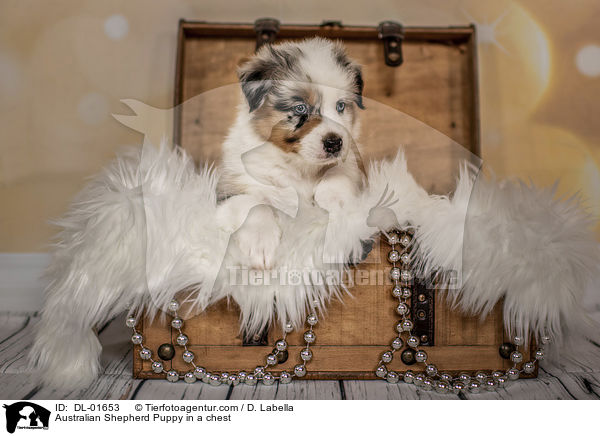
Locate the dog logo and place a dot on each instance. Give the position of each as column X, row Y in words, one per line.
column 26, row 415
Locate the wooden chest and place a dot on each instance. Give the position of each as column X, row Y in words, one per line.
column 428, row 105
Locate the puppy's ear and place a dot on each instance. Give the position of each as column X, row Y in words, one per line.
column 359, row 84
column 256, row 79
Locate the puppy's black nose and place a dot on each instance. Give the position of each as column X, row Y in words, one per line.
column 332, row 143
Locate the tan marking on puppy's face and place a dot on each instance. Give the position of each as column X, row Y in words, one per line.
column 289, row 140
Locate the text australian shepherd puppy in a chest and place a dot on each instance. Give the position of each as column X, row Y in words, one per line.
column 295, row 131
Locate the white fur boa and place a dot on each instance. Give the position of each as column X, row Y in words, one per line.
column 150, row 226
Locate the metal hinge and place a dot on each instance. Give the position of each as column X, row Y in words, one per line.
column 266, row 31
column 392, row 34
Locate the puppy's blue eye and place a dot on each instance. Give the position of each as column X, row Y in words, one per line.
column 301, row 109
column 340, row 106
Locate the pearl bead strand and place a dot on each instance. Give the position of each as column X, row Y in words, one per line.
column 260, row 373
column 431, row 378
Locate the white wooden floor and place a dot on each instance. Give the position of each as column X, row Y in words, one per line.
column 577, row 379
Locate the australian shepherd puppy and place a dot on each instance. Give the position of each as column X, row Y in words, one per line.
column 293, row 140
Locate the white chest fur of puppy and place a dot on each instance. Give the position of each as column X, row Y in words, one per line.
column 293, row 141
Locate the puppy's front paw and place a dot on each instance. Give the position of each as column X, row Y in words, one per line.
column 258, row 238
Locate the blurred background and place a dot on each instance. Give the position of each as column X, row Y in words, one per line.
column 65, row 65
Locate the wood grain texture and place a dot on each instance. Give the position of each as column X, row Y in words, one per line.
column 299, row 390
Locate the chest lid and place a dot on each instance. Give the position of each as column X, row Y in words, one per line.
column 420, row 89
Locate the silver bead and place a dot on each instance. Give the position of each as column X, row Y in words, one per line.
column 281, row 345
column 397, row 343
column 177, row 323
column 431, row 370
column 512, row 374
column 268, row 379
column 464, row 377
column 406, row 293
column 539, row 355
column 259, row 371
column 545, row 340
column 399, row 327
column 189, row 377
column 392, row 377
column 442, row 386
column 496, row 374
column 490, row 384
column 187, row 356
column 446, row 377
column 393, row 238
column 234, row 380
column 182, row 339
column 518, row 341
column 173, row 376
column 214, row 380
column 130, row 322
column 502, row 381
column 271, row 359
column 309, row 337
column 157, row 367
column 300, row 370
column 407, row 325
column 285, row 377
column 206, row 377
column 387, row 357
column 412, row 341
column 420, row 356
column 516, row 356
column 242, row 375
column 306, row 354
column 200, row 373
column 427, row 384
column 288, row 328
column 528, row 367
column 393, row 256
column 402, row 308
column 137, row 339
column 409, row 377
column 481, row 376
column 250, row 379
column 405, row 258
column 145, row 354
column 225, row 377
column 405, row 240
column 406, row 275
column 312, row 319
column 395, row 273
column 474, row 386
column 419, row 379
column 397, row 291
column 173, row 306
column 458, row 387
column 381, row 371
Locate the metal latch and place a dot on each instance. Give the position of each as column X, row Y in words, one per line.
column 266, row 30
column 423, row 312
column 392, row 34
